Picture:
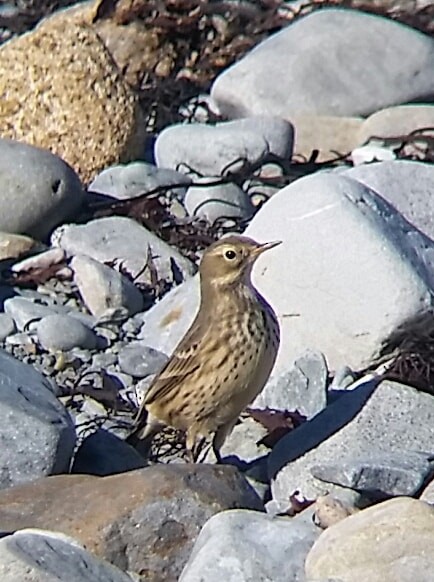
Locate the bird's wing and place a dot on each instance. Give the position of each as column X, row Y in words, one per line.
column 183, row 363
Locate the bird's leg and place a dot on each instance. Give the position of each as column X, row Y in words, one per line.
column 142, row 436
column 219, row 438
column 194, row 446
column 216, row 452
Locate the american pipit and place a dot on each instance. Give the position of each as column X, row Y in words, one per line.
column 225, row 358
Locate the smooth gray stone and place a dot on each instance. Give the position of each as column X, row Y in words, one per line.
column 102, row 453
column 217, row 202
column 32, row 555
column 38, row 190
column 331, row 62
column 140, row 360
column 102, row 288
column 208, row 150
column 7, row 326
column 130, row 180
column 385, row 474
column 37, row 435
column 23, row 311
column 248, row 546
column 62, row 332
column 371, row 420
column 121, row 240
column 303, row 387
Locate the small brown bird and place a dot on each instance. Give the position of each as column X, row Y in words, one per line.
column 225, row 358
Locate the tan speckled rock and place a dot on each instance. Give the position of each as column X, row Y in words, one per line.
column 389, row 542
column 15, row 245
column 61, row 90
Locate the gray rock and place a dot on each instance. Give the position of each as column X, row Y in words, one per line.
column 133, row 325
column 368, row 421
column 130, row 180
column 378, row 474
column 303, row 387
column 408, row 186
column 121, row 240
column 38, row 189
column 350, row 269
column 32, row 555
column 37, row 436
column 277, row 132
column 102, row 288
column 140, row 360
column 7, row 326
column 26, row 312
column 102, row 361
column 248, row 546
column 62, row 332
column 327, row 63
column 217, row 202
column 103, row 453
column 229, row 146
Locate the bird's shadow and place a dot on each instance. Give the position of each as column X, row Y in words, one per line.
column 308, row 435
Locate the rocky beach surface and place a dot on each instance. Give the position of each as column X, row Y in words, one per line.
column 133, row 135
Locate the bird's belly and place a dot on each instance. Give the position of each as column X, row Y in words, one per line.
column 231, row 399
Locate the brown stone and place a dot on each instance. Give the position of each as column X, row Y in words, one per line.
column 145, row 521
column 16, row 245
column 61, row 90
column 331, row 136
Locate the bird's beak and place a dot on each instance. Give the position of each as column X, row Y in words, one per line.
column 265, row 247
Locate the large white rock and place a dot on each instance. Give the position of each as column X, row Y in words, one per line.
column 332, row 62
column 408, row 186
column 348, row 272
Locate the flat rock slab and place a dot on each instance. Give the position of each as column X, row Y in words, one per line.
column 350, row 269
column 122, row 241
column 44, row 556
column 37, row 436
column 368, row 422
column 135, row 519
column 247, row 546
column 391, row 541
column 319, row 65
column 378, row 474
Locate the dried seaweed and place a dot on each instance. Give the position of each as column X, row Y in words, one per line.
column 277, row 422
column 408, row 353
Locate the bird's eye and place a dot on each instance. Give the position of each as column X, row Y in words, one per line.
column 230, row 255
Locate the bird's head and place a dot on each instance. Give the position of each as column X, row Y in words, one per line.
column 230, row 260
